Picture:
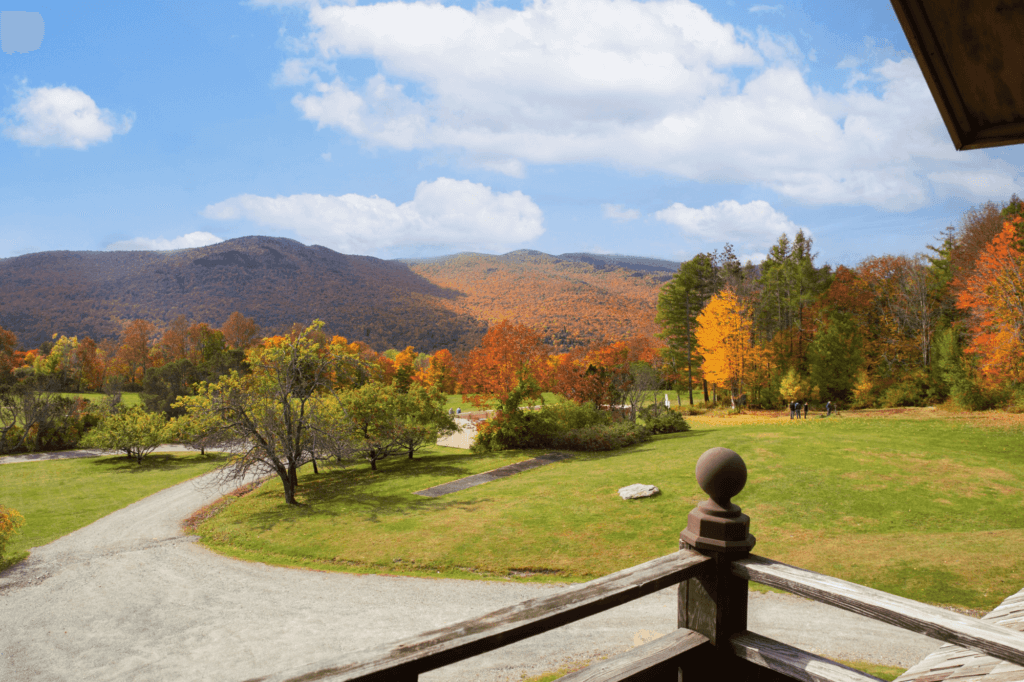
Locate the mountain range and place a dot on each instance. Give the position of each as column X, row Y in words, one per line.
column 432, row 303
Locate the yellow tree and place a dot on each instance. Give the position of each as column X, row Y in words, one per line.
column 725, row 340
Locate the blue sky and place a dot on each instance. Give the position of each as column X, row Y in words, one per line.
column 660, row 128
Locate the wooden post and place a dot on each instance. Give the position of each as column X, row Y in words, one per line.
column 715, row 604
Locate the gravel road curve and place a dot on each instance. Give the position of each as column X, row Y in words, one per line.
column 130, row 597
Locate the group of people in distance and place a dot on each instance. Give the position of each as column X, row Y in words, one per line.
column 794, row 409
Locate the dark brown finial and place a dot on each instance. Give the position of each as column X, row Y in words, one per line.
column 717, row 525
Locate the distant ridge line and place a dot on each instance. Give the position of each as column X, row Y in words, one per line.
column 642, row 263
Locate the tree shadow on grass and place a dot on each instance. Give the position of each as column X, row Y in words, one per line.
column 330, row 497
column 338, row 492
column 153, row 462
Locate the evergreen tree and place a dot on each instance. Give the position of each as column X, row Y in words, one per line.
column 679, row 303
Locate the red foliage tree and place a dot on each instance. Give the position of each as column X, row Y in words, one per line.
column 507, row 355
column 993, row 295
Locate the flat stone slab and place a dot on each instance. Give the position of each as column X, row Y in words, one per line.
column 492, row 475
column 638, row 490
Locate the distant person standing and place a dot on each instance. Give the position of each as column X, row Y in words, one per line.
column 797, row 404
column 806, row 407
column 828, row 409
column 792, row 409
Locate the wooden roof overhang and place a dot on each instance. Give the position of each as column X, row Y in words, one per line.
column 972, row 56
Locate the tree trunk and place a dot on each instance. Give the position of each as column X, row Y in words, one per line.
column 707, row 399
column 289, row 488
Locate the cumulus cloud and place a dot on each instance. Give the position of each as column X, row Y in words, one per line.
column 620, row 213
column 649, row 86
column 753, row 225
column 188, row 241
column 445, row 212
column 62, row 117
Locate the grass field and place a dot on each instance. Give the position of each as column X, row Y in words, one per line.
column 60, row 496
column 929, row 508
column 129, row 399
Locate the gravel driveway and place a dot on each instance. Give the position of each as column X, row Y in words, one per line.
column 131, row 598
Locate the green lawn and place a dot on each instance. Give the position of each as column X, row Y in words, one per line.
column 129, row 399
column 930, row 509
column 59, row 496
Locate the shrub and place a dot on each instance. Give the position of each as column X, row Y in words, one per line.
column 601, row 437
column 1016, row 400
column 569, row 415
column 565, row 426
column 10, row 521
column 900, row 395
column 667, row 421
column 133, row 431
column 968, row 395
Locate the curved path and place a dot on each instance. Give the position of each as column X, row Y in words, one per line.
column 131, row 598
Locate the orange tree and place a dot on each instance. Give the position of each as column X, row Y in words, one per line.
column 725, row 341
column 509, row 356
column 440, row 373
column 134, row 351
column 8, row 345
column 994, row 298
column 508, row 367
column 240, row 331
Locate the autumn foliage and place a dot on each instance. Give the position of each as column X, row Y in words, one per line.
column 725, row 340
column 993, row 296
column 507, row 355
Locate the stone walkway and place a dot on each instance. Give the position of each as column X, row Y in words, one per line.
column 492, row 475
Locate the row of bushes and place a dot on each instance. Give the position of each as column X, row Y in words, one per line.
column 568, row 426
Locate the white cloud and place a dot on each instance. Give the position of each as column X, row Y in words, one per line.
column 620, row 213
column 766, row 9
column 326, row 156
column 753, row 225
column 445, row 212
column 188, row 241
column 648, row 86
column 62, row 117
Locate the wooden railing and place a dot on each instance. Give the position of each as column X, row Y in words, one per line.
column 712, row 569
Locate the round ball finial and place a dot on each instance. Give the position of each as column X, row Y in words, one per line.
column 721, row 473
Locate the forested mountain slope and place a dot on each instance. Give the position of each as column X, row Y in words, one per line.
column 570, row 299
column 276, row 281
column 431, row 304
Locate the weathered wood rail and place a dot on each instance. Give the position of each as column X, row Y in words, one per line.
column 712, row 569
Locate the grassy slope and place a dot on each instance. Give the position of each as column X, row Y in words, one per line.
column 60, row 496
column 926, row 509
